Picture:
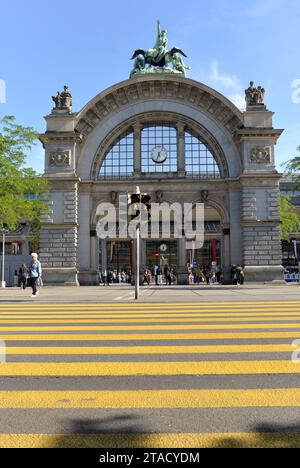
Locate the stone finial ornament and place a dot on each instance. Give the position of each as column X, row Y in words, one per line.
column 63, row 100
column 255, row 95
column 159, row 59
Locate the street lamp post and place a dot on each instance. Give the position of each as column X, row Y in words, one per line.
column 138, row 235
column 3, row 283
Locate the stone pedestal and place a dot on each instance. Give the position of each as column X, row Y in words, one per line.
column 89, row 278
column 265, row 274
column 60, row 276
column 182, row 276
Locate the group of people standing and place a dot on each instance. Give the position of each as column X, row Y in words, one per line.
column 108, row 277
column 31, row 276
column 166, row 275
column 160, row 274
column 206, row 275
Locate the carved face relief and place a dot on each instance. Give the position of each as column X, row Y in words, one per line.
column 260, row 155
column 60, row 159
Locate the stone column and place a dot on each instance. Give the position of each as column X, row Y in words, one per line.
column 260, row 197
column 59, row 229
column 104, row 254
column 182, row 274
column 226, row 255
column 95, row 256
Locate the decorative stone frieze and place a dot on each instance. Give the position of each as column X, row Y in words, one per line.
column 260, row 155
column 60, row 158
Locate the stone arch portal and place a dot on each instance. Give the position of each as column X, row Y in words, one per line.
column 245, row 195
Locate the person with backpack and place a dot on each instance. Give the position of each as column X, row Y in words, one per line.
column 34, row 274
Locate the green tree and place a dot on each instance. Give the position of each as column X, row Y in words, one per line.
column 293, row 168
column 290, row 221
column 22, row 190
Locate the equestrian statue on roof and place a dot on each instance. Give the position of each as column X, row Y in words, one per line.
column 158, row 59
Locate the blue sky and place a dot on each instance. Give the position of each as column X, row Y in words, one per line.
column 87, row 45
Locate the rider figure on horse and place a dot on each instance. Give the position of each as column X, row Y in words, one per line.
column 161, row 46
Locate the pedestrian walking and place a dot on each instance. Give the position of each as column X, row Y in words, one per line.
column 240, row 275
column 23, row 276
column 208, row 276
column 146, row 276
column 156, row 268
column 160, row 277
column 168, row 277
column 104, row 277
column 110, row 277
column 34, row 273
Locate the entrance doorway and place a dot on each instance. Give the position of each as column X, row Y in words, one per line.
column 162, row 253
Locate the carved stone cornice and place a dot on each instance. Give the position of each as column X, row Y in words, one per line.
column 162, row 88
column 60, row 137
column 247, row 134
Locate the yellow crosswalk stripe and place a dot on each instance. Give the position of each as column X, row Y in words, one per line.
column 152, row 441
column 33, row 308
column 159, row 350
column 148, row 368
column 165, row 307
column 151, row 320
column 149, row 327
column 147, row 304
column 222, row 315
column 155, row 399
column 151, row 336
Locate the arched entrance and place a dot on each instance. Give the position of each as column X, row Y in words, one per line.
column 210, row 152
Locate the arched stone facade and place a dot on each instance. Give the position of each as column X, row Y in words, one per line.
column 246, row 195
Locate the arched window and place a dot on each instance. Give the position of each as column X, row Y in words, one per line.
column 159, row 154
column 199, row 160
column 159, row 149
column 119, row 160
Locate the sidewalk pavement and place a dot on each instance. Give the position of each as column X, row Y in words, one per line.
column 153, row 294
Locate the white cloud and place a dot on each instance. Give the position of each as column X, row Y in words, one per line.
column 230, row 85
column 2, row 92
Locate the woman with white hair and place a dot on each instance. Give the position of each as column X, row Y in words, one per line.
column 34, row 273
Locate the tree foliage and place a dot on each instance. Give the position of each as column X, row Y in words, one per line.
column 290, row 221
column 22, row 190
column 293, row 168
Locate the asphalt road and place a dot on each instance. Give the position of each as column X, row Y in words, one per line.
column 120, row 375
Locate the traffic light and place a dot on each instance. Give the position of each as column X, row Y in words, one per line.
column 146, row 202
column 138, row 202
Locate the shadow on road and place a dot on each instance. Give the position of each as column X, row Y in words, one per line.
column 264, row 436
column 128, row 431
column 124, row 431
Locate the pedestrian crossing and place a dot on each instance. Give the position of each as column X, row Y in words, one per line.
column 151, row 376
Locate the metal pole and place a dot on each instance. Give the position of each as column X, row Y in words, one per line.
column 137, row 273
column 3, row 285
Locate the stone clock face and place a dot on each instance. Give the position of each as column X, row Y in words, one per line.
column 159, row 154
